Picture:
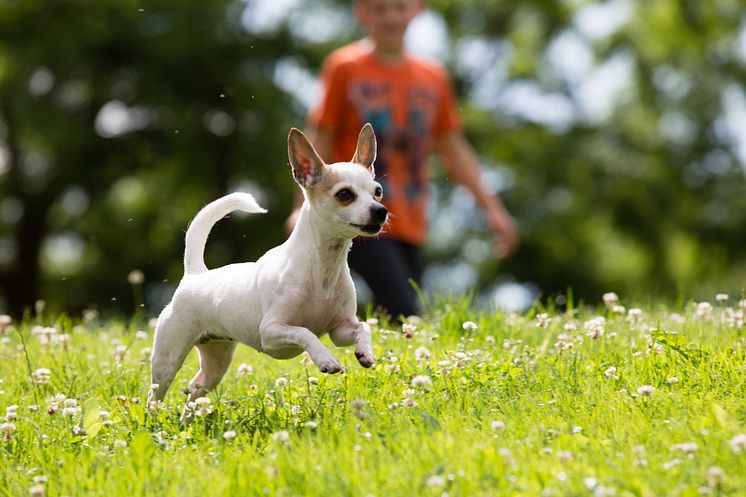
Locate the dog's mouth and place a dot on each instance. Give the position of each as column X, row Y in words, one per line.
column 368, row 228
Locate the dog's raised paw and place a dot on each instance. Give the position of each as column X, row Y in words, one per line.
column 365, row 359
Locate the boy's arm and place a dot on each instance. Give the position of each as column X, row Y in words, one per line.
column 461, row 164
column 321, row 139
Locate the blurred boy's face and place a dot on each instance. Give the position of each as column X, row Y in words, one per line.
column 386, row 20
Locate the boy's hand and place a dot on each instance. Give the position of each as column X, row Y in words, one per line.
column 504, row 227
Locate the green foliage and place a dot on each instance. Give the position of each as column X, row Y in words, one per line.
column 647, row 197
column 474, row 402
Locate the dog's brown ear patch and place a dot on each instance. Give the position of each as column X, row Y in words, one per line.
column 306, row 163
column 365, row 154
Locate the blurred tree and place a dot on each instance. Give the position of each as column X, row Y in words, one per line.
column 610, row 128
column 118, row 120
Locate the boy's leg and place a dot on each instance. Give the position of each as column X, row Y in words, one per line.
column 387, row 267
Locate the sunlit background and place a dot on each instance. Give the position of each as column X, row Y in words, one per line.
column 613, row 130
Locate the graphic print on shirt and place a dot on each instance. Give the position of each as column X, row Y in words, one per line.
column 402, row 148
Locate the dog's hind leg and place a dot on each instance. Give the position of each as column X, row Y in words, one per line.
column 174, row 338
column 214, row 359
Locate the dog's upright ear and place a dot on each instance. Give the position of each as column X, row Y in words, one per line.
column 366, row 151
column 305, row 161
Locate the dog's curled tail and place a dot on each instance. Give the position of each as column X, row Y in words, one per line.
column 199, row 228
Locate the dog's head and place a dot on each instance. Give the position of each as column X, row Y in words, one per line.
column 344, row 193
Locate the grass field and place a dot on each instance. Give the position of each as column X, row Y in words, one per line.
column 465, row 402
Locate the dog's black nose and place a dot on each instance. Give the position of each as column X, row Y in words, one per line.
column 378, row 214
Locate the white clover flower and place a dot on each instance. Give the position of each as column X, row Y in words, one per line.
column 715, row 476
column 721, row 297
column 738, row 443
column 70, row 403
column 311, row 424
column 409, row 402
column 8, row 427
column 543, row 320
column 497, row 426
column 36, row 491
column 619, row 309
column 594, row 328
column 281, row 382
column 409, row 330
column 686, row 447
column 119, row 352
column 11, row 413
column 610, row 299
column 281, row 436
column 201, row 406
column 41, row 376
column 634, row 314
column 435, row 481
column 119, row 443
column 79, row 431
column 245, row 369
column 230, row 435
column 673, row 380
column 469, row 326
column 646, row 390
column 162, row 438
column 313, row 380
column 421, row 354
column 563, row 342
column 141, row 335
column 44, row 334
column 610, row 373
column 590, row 482
column 422, row 381
column 704, row 310
column 565, row 455
column 570, row 327
column 70, row 412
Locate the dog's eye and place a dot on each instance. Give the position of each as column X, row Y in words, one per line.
column 379, row 192
column 345, row 195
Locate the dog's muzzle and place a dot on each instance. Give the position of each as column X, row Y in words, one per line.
column 378, row 216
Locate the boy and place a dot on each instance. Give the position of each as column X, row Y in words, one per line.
column 411, row 105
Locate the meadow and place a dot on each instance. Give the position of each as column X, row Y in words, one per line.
column 599, row 401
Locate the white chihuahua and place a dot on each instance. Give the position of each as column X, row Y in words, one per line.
column 282, row 303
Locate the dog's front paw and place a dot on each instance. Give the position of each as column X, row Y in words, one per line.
column 328, row 363
column 365, row 358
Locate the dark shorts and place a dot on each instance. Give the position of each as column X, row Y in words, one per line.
column 388, row 266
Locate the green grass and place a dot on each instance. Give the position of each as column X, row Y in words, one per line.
column 513, row 408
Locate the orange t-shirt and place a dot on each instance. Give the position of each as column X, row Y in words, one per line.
column 408, row 105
